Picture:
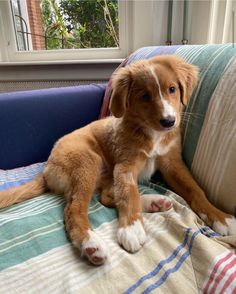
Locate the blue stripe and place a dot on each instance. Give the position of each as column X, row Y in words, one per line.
column 148, row 52
column 214, row 234
column 174, row 269
column 160, row 265
column 209, row 234
column 9, row 185
column 164, row 261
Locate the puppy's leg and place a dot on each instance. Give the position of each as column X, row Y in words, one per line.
column 80, row 232
column 106, row 190
column 131, row 234
column 76, row 212
column 180, row 179
column 107, row 199
column 149, row 202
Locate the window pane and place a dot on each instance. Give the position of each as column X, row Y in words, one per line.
column 66, row 24
column 20, row 25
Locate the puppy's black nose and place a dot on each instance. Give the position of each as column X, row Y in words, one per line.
column 168, row 121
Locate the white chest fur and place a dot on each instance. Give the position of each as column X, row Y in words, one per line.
column 159, row 149
column 148, row 169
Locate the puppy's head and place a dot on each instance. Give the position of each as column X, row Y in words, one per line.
column 153, row 91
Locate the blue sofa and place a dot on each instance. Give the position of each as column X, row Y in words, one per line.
column 32, row 121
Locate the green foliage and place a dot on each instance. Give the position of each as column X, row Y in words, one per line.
column 80, row 24
column 51, row 29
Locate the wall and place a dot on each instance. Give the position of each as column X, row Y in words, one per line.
column 160, row 9
column 36, row 26
column 26, row 77
column 199, row 22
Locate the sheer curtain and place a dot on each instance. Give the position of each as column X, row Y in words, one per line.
column 222, row 21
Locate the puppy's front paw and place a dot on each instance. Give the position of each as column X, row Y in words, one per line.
column 227, row 228
column 94, row 249
column 155, row 203
column 132, row 237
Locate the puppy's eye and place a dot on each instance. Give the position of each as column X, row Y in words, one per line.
column 172, row 90
column 146, row 97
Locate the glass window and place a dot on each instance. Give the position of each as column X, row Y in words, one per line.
column 20, row 26
column 65, row 24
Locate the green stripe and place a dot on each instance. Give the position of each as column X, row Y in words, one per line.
column 212, row 61
column 18, row 243
column 6, row 245
column 25, row 251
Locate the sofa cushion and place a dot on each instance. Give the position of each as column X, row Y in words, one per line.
column 32, row 121
column 214, row 161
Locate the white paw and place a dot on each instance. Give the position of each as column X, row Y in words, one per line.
column 155, row 203
column 225, row 229
column 132, row 237
column 94, row 249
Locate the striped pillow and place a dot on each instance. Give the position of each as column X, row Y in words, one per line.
column 214, row 159
column 209, row 125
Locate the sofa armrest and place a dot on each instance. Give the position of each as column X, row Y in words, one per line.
column 31, row 121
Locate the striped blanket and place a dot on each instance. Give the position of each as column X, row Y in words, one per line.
column 181, row 254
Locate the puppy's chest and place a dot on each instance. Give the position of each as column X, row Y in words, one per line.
column 159, row 149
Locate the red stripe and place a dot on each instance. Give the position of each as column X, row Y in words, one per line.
column 222, row 274
column 215, row 270
column 228, row 282
column 106, row 100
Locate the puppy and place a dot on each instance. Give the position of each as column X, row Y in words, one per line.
column 110, row 155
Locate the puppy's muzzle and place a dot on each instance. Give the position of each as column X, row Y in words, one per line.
column 167, row 122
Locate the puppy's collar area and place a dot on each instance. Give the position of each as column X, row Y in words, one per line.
column 156, row 138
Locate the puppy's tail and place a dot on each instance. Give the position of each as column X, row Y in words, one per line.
column 27, row 191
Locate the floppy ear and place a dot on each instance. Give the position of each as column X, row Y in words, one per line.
column 188, row 78
column 121, row 81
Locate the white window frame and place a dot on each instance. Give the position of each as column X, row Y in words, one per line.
column 135, row 31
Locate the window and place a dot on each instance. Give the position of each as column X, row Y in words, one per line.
column 53, row 30
column 135, row 22
column 65, row 24
column 20, row 26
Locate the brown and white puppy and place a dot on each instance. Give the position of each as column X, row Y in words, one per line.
column 110, row 155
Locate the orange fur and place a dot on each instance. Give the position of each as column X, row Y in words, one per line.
column 27, row 191
column 109, row 155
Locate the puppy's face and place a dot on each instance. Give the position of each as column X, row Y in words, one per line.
column 153, row 91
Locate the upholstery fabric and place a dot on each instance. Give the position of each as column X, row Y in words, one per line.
column 32, row 121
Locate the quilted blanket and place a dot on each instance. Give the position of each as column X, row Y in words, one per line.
column 180, row 254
